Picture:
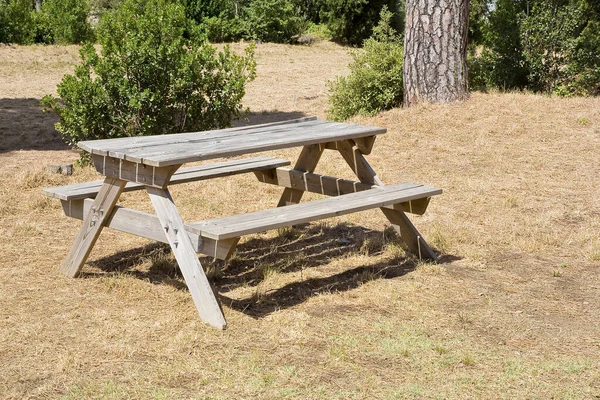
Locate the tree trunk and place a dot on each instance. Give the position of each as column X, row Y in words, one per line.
column 435, row 51
column 38, row 5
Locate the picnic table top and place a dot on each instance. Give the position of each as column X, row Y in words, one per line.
column 180, row 148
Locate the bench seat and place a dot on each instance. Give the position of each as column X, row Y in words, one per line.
column 86, row 190
column 259, row 221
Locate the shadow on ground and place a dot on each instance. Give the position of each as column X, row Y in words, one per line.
column 293, row 250
column 24, row 126
column 266, row 117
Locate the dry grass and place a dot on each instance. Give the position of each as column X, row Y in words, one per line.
column 333, row 310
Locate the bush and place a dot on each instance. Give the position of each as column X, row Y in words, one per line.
column 561, row 47
column 155, row 74
column 101, row 7
column 545, row 46
column 375, row 80
column 17, row 24
column 501, row 63
column 274, row 21
column 68, row 20
column 223, row 29
column 352, row 21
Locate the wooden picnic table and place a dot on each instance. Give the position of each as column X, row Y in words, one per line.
column 154, row 163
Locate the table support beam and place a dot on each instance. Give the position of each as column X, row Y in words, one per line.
column 92, row 226
column 307, row 162
column 186, row 257
column 408, row 233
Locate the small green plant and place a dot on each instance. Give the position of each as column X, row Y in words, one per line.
column 467, row 360
column 441, row 350
column 155, row 74
column 557, row 273
column 375, row 80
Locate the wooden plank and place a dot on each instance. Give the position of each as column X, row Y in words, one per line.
column 92, row 226
column 239, row 225
column 354, row 158
column 118, row 147
column 95, row 146
column 409, row 234
column 170, row 150
column 330, row 186
column 188, row 262
column 183, row 175
column 307, row 162
column 399, row 220
column 157, row 177
column 365, row 144
column 167, row 154
column 311, row 182
column 148, row 226
column 417, row 207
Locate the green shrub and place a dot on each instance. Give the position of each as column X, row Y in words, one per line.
column 155, row 74
column 68, row 20
column 223, row 29
column 352, row 21
column 561, row 47
column 17, row 24
column 545, row 46
column 101, row 7
column 198, row 10
column 375, row 80
column 501, row 63
column 274, row 21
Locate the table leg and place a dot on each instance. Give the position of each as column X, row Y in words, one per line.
column 186, row 257
column 409, row 234
column 307, row 162
column 365, row 173
column 92, row 226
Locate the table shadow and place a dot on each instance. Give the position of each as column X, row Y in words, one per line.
column 264, row 117
column 25, row 126
column 292, row 250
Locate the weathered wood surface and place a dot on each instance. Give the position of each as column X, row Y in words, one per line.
column 409, row 234
column 307, row 162
column 165, row 150
column 92, row 226
column 355, row 159
column 148, row 226
column 365, row 144
column 157, row 177
column 243, row 224
column 183, row 175
column 186, row 257
column 311, row 182
column 395, row 214
column 330, row 186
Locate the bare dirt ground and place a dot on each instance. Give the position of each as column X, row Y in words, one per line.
column 334, row 310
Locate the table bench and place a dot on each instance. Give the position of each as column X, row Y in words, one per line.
column 153, row 163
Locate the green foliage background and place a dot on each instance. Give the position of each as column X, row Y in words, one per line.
column 550, row 46
column 375, row 79
column 155, row 74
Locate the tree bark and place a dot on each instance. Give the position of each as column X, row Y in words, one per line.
column 435, row 51
column 38, row 5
